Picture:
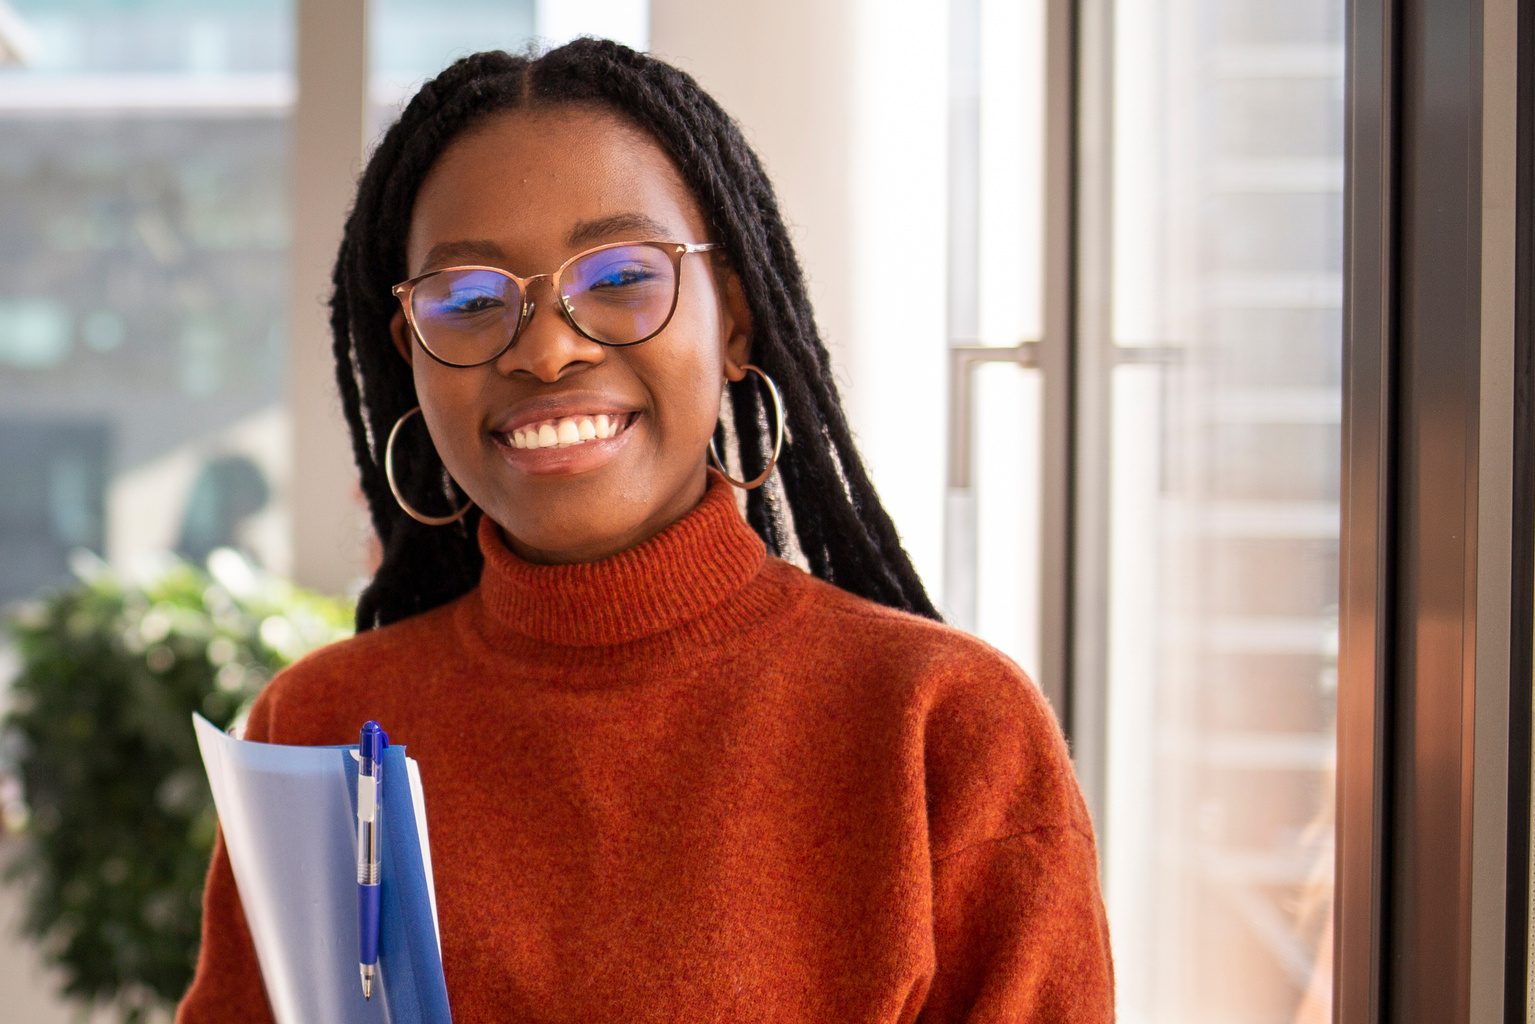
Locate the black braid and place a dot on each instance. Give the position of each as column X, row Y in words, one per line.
column 846, row 535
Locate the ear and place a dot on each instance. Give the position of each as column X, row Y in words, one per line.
column 735, row 326
column 399, row 330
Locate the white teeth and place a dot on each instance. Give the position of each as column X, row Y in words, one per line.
column 565, row 432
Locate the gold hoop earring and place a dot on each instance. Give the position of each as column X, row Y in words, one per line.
column 394, row 488
column 777, row 437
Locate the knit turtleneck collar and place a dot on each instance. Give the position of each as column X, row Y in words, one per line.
column 689, row 568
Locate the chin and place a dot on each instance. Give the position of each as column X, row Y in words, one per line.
column 567, row 532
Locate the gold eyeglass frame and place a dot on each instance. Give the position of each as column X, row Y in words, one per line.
column 405, row 290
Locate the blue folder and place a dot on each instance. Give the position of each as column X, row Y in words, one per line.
column 289, row 817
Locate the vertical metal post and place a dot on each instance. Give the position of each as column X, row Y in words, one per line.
column 1055, row 357
column 1091, row 362
column 1425, row 598
column 1364, row 612
column 1520, row 900
column 327, row 142
column 1432, row 651
column 1438, row 491
column 1492, row 729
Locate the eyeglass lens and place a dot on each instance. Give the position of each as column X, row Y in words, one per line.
column 617, row 296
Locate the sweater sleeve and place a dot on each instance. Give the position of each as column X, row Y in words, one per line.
column 1019, row 933
column 227, row 987
column 1019, row 930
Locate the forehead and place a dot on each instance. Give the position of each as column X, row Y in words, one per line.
column 528, row 180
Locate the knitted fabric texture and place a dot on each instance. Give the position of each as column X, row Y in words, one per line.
column 693, row 783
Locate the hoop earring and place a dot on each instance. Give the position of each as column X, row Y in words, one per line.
column 394, row 488
column 777, row 437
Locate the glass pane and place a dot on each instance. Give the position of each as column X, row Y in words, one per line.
column 1227, row 289
column 1008, row 406
column 996, row 235
column 412, row 40
column 1011, row 232
column 142, row 284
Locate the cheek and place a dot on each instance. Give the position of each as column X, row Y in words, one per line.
column 686, row 380
column 686, row 366
column 447, row 405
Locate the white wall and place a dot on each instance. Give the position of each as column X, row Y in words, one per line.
column 627, row 21
column 846, row 103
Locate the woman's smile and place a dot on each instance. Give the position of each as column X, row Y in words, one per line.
column 569, row 434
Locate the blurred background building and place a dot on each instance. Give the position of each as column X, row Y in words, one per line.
column 161, row 295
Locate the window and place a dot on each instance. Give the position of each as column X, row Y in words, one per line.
column 996, row 305
column 412, row 40
column 142, row 284
column 1223, row 395
column 1200, row 689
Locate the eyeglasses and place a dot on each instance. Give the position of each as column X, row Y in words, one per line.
column 617, row 294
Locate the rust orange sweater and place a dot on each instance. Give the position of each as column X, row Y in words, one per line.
column 723, row 791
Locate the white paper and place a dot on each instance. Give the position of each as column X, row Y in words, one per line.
column 418, row 804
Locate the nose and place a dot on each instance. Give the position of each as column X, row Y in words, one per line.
column 548, row 346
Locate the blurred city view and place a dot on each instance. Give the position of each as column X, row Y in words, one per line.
column 142, row 186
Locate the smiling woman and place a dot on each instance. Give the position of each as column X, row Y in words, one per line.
column 526, row 187
column 721, row 787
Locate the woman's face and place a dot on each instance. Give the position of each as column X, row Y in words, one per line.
column 525, row 191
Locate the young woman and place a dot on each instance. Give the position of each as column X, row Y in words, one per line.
column 670, row 777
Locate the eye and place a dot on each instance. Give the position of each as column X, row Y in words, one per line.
column 466, row 296
column 621, row 275
column 470, row 303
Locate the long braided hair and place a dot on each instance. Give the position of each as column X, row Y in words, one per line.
column 844, row 533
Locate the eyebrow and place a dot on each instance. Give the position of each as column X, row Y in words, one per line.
column 472, row 251
column 479, row 251
column 635, row 226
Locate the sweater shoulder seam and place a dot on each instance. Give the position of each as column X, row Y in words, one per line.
column 1073, row 830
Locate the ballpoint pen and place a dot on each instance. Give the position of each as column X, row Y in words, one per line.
column 370, row 782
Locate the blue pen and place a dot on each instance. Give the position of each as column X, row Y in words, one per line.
column 370, row 783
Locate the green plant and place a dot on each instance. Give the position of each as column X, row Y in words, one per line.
column 117, row 822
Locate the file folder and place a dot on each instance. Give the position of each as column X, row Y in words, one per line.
column 289, row 817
